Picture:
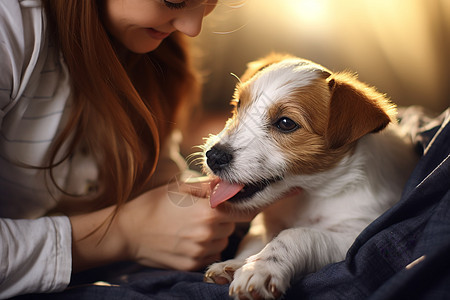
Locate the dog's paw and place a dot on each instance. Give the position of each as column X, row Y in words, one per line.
column 259, row 279
column 222, row 272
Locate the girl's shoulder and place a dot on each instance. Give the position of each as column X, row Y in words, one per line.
column 23, row 42
column 21, row 16
column 22, row 27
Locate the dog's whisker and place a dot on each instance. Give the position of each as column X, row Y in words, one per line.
column 237, row 77
column 194, row 155
column 194, row 158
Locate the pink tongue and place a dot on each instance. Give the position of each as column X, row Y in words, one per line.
column 223, row 191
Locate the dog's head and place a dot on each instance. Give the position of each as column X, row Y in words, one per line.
column 292, row 117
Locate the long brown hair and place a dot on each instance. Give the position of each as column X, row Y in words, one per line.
column 122, row 114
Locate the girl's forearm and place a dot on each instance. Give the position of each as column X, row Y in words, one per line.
column 97, row 240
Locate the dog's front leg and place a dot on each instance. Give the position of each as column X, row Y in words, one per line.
column 252, row 243
column 295, row 251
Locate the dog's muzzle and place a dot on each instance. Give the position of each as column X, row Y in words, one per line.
column 218, row 158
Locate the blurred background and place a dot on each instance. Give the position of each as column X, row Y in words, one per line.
column 402, row 47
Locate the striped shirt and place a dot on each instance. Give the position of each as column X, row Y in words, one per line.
column 34, row 94
column 35, row 255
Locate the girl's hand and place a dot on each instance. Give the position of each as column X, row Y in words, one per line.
column 155, row 231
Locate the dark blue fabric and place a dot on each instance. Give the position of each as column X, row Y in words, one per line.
column 375, row 266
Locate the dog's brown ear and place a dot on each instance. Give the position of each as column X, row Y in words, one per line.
column 355, row 110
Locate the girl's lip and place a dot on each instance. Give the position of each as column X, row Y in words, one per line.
column 158, row 35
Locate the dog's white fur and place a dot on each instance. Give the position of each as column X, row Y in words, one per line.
column 347, row 180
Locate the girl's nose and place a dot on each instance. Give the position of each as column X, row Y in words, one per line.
column 189, row 21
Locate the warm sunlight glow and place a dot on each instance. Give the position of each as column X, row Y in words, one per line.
column 307, row 11
column 400, row 46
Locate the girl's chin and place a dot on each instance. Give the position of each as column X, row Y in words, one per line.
column 144, row 47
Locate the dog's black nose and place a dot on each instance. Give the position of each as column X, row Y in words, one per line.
column 218, row 157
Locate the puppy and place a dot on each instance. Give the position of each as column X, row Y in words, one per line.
column 324, row 142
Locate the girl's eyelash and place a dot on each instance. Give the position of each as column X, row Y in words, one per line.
column 173, row 5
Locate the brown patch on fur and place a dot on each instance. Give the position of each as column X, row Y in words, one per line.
column 333, row 113
column 355, row 110
column 306, row 148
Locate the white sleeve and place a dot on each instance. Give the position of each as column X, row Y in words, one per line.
column 21, row 29
column 35, row 255
column 12, row 50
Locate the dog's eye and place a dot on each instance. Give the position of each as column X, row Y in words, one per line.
column 236, row 103
column 285, row 124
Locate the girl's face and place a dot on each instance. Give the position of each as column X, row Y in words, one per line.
column 141, row 25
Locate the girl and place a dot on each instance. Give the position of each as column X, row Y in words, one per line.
column 90, row 93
